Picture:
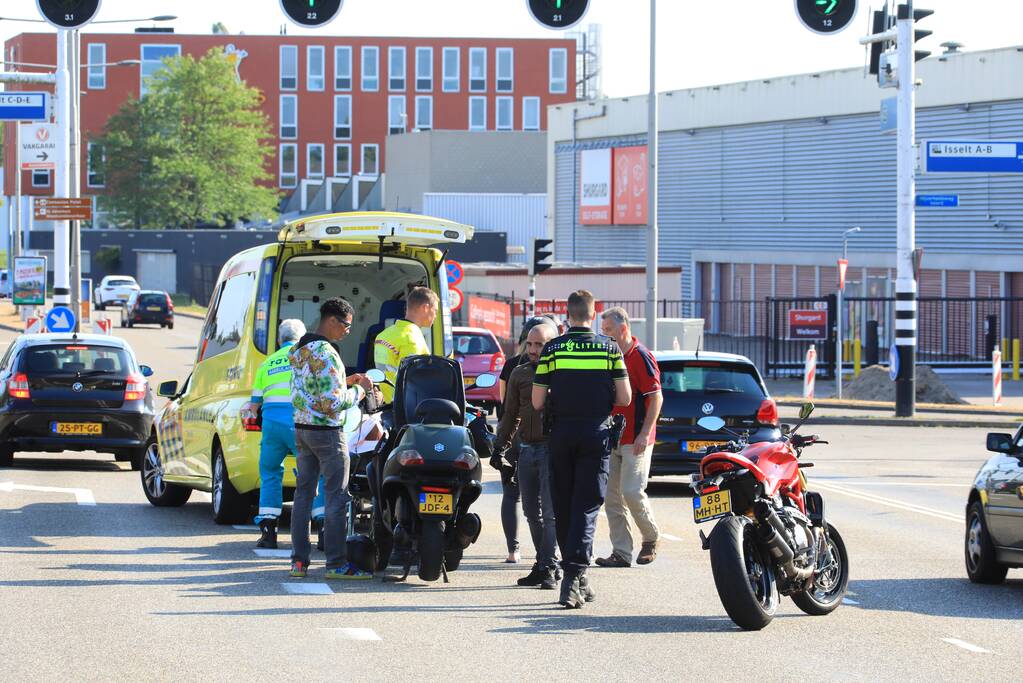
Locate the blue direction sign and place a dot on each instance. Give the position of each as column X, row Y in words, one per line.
column 60, row 319
column 972, row 156
column 24, row 106
column 937, row 200
column 893, row 362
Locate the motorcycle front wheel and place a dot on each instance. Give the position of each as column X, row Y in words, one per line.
column 830, row 579
column 743, row 574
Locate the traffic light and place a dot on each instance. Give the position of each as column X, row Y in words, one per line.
column 881, row 22
column 68, row 13
column 826, row 16
column 558, row 14
column 541, row 252
column 311, row 13
column 918, row 34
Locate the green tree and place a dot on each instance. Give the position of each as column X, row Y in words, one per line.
column 195, row 149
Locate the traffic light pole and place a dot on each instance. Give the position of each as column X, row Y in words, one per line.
column 651, row 152
column 532, row 296
column 905, row 283
column 61, row 177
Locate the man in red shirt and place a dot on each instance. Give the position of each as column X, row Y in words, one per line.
column 630, row 462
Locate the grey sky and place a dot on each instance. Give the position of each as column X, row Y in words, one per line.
column 699, row 42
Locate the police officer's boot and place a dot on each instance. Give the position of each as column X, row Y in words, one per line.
column 268, row 533
column 571, row 594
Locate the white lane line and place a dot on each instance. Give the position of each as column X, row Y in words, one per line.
column 353, row 633
column 891, row 483
column 849, row 601
column 272, row 552
column 82, row 496
column 306, row 588
column 908, row 507
column 670, row 537
column 245, row 527
column 966, row 646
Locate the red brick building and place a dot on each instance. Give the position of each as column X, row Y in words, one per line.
column 331, row 100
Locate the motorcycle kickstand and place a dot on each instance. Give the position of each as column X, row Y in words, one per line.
column 404, row 575
column 444, row 570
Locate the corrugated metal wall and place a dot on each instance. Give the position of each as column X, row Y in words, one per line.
column 796, row 185
column 521, row 216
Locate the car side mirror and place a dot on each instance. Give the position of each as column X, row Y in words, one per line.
column 168, row 389
column 999, row 443
column 146, row 370
column 711, row 423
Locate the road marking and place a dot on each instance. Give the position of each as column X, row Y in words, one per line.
column 272, row 552
column 966, row 646
column 849, row 601
column 909, row 507
column 670, row 537
column 82, row 496
column 892, row 483
column 205, row 495
column 353, row 633
column 306, row 588
column 245, row 527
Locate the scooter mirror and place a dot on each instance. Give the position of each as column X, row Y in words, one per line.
column 375, row 376
column 805, row 410
column 711, row 423
column 485, row 381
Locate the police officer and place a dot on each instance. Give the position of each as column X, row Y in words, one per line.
column 405, row 337
column 271, row 394
column 579, row 379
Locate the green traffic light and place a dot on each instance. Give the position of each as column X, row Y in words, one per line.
column 827, row 7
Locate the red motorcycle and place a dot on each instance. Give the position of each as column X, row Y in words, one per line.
column 772, row 537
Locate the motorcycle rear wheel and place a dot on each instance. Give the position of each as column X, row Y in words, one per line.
column 743, row 574
column 830, row 580
column 431, row 549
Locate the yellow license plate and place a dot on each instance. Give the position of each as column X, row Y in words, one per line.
column 468, row 380
column 78, row 428
column 435, row 503
column 711, row 506
column 153, row 308
column 698, row 446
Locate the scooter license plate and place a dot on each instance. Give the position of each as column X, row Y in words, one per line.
column 711, row 506
column 435, row 503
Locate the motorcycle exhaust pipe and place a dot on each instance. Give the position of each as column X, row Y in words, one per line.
column 771, row 528
column 468, row 528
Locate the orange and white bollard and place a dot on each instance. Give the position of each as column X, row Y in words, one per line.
column 996, row 375
column 102, row 325
column 810, row 373
column 33, row 325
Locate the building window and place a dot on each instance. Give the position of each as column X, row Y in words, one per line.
column 477, row 113
column 342, row 116
column 289, row 67
column 343, row 67
column 424, row 112
column 559, row 70
column 40, row 178
column 289, row 164
column 424, row 69
column 505, row 69
column 370, row 68
column 97, row 74
column 530, row 113
column 396, row 68
column 314, row 160
column 396, row 114
column 152, row 61
column 342, row 160
column 289, row 117
column 452, row 69
column 315, row 68
column 370, row 160
column 505, row 113
column 477, row 69
column 94, row 165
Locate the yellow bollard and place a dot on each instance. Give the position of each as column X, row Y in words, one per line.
column 1015, row 360
column 857, row 356
column 1006, row 347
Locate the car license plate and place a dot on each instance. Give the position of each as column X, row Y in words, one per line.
column 121, row 296
column 77, row 428
column 153, row 308
column 696, row 446
column 711, row 506
column 466, row 381
column 435, row 503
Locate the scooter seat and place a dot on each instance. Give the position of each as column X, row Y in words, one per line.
column 438, row 411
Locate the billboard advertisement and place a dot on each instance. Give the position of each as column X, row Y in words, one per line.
column 595, row 187
column 630, row 185
column 490, row 315
column 29, row 281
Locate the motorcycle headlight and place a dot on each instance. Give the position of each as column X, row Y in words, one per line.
column 466, row 460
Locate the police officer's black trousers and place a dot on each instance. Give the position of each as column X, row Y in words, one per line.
column 579, row 459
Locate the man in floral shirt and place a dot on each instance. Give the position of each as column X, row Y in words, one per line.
column 320, row 396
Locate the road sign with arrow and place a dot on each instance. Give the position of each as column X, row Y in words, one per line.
column 60, row 319
column 39, row 146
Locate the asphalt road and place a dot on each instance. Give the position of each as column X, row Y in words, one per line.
column 118, row 589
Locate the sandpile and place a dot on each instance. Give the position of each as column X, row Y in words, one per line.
column 874, row 384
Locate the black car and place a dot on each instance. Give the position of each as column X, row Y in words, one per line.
column 994, row 512
column 148, row 307
column 696, row 385
column 61, row 392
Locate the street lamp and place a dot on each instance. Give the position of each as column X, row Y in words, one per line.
column 839, row 343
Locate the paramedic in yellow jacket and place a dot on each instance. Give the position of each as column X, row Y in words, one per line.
column 405, row 338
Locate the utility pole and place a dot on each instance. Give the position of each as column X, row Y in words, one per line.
column 61, row 179
column 651, row 250
column 75, row 174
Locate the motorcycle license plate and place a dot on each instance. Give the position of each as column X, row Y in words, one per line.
column 711, row 506
column 435, row 503
column 696, row 446
column 77, row 428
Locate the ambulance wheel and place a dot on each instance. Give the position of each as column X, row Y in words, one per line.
column 229, row 506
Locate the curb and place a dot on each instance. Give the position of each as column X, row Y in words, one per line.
column 911, row 422
column 193, row 316
column 957, row 409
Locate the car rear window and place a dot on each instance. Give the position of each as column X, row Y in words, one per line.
column 61, row 359
column 152, row 299
column 474, row 344
column 706, row 377
column 119, row 283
